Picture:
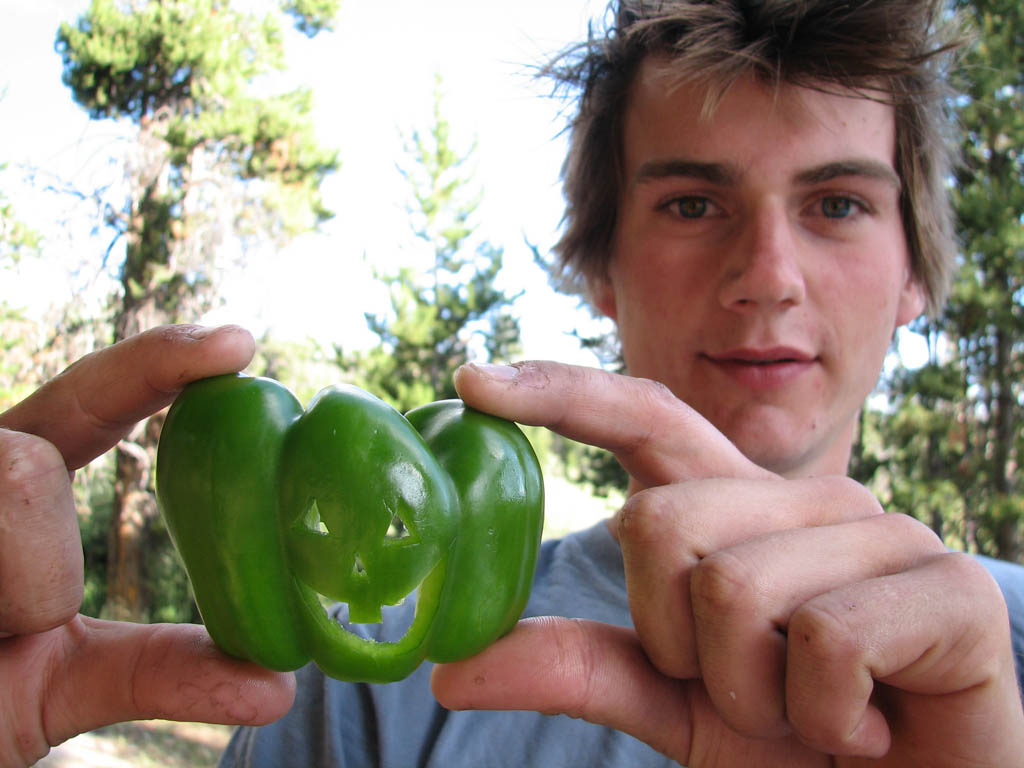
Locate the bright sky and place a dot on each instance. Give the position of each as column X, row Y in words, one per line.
column 372, row 79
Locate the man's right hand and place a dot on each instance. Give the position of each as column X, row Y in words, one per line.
column 64, row 673
column 776, row 621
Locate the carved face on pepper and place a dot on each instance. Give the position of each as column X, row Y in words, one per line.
column 272, row 508
column 367, row 517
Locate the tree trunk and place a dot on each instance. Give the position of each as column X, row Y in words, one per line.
column 133, row 508
column 1007, row 532
column 134, row 504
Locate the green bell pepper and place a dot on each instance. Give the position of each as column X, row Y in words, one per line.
column 275, row 510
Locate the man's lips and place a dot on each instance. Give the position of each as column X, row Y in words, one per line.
column 762, row 368
column 773, row 355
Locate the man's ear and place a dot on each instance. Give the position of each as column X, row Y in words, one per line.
column 911, row 302
column 602, row 296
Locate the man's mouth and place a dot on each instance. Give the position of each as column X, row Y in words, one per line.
column 762, row 368
column 772, row 356
column 771, row 361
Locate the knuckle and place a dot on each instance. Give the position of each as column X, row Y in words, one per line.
column 40, row 553
column 822, row 648
column 917, row 536
column 984, row 633
column 655, row 392
column 558, row 388
column 853, row 497
column 965, row 568
column 575, row 380
column 155, row 656
column 822, row 632
column 173, row 335
column 27, row 464
column 588, row 657
column 658, row 587
column 961, row 568
column 169, row 343
column 654, row 400
column 723, row 584
column 575, row 660
column 646, row 515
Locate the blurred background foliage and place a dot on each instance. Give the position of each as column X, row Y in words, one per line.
column 941, row 442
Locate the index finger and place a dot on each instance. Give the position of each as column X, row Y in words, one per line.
column 91, row 405
column 657, row 437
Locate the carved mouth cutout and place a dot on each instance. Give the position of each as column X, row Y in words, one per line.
column 362, row 567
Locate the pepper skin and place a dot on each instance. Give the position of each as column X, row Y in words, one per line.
column 495, row 552
column 273, row 508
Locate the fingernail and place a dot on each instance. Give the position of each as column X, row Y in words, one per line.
column 496, row 372
column 199, row 332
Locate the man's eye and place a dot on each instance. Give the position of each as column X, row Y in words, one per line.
column 690, row 207
column 837, row 207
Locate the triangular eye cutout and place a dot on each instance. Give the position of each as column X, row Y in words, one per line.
column 312, row 521
column 399, row 531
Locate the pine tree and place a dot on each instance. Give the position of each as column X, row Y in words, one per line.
column 985, row 320
column 212, row 159
column 446, row 310
column 17, row 242
column 949, row 448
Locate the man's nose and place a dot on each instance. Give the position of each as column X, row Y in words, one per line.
column 763, row 270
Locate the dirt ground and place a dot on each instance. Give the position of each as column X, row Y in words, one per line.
column 142, row 744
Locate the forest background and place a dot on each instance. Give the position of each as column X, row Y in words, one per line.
column 381, row 218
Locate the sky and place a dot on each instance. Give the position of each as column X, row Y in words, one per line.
column 372, row 80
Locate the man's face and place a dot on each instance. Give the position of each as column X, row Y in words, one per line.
column 759, row 265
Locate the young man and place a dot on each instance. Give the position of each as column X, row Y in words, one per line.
column 755, row 198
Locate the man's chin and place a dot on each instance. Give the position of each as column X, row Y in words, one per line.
column 786, row 450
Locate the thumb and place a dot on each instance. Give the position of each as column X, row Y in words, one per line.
column 120, row 672
column 576, row 667
column 656, row 437
column 95, row 402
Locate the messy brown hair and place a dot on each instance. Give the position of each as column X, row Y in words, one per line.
column 896, row 50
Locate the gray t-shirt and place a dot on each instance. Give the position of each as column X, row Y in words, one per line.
column 345, row 725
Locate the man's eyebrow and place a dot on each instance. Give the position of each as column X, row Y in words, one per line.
column 872, row 169
column 713, row 173
column 724, row 175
